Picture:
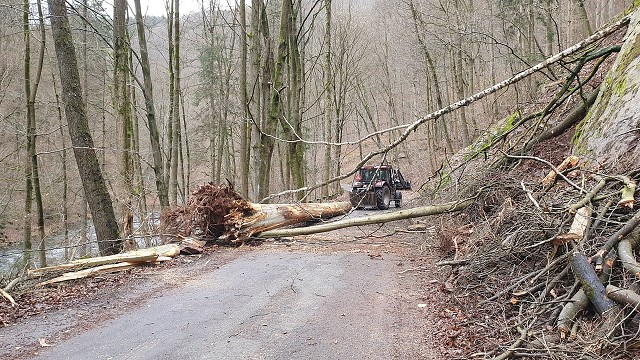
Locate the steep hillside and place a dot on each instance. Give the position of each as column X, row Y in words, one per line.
column 542, row 265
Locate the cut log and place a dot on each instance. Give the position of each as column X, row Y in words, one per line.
column 191, row 246
column 138, row 256
column 578, row 227
column 586, row 274
column 579, row 301
column 374, row 219
column 98, row 270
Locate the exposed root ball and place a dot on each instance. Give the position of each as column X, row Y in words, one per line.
column 209, row 212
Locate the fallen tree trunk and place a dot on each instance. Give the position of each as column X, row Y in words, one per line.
column 274, row 216
column 374, row 219
column 142, row 255
column 218, row 212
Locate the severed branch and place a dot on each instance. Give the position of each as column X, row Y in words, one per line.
column 623, row 296
column 628, row 191
column 625, row 251
column 555, row 169
column 627, row 194
column 509, row 353
column 589, row 196
column 568, row 163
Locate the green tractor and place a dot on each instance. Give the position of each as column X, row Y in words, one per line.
column 377, row 186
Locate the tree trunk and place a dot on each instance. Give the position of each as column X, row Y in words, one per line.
column 122, row 106
column 431, row 74
column 172, row 105
column 245, row 127
column 186, row 160
column 84, row 246
column 255, row 105
column 147, row 92
column 609, row 133
column 31, row 93
column 28, row 168
column 139, row 187
column 93, row 182
column 270, row 107
column 292, row 126
column 175, row 113
column 276, row 94
column 328, row 100
column 65, row 181
column 583, row 19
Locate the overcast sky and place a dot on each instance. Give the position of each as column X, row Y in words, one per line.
column 157, row 7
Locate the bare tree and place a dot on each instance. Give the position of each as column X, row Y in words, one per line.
column 104, row 219
column 31, row 168
column 175, row 119
column 122, row 103
column 328, row 105
column 147, row 93
column 245, row 128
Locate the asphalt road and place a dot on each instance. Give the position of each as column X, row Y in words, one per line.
column 262, row 305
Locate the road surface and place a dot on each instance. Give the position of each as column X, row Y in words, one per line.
column 262, row 305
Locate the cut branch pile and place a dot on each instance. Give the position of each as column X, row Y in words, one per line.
column 566, row 267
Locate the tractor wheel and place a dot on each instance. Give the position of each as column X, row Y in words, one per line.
column 398, row 199
column 383, row 197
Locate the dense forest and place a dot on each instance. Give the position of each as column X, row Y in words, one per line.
column 271, row 96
